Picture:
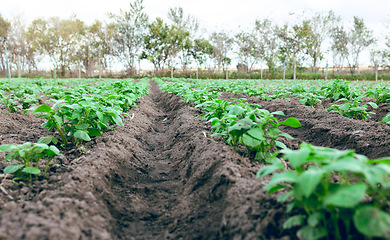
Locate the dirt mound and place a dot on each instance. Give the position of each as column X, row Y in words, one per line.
column 319, row 127
column 160, row 176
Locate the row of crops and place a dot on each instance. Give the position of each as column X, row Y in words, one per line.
column 79, row 112
column 330, row 193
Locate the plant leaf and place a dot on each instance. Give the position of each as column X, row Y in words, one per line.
column 372, row 222
column 308, row 181
column 10, row 169
column 294, row 221
column 312, row 233
column 43, row 108
column 291, row 122
column 347, row 196
column 82, row 135
column 7, row 147
column 31, row 170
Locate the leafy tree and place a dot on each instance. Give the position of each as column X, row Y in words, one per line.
column 131, row 29
column 189, row 25
column 162, row 43
column 201, row 51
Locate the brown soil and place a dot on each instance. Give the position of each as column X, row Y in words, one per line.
column 159, row 177
column 319, row 127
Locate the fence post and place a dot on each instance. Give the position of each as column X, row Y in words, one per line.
column 326, row 70
column 261, row 71
column 79, row 70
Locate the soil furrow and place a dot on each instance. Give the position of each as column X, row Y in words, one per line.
column 158, row 177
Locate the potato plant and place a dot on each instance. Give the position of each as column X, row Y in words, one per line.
column 353, row 108
column 28, row 156
column 336, row 191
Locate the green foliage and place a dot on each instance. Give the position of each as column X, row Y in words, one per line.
column 352, row 108
column 9, row 104
column 310, row 99
column 386, row 119
column 331, row 186
column 339, row 89
column 28, row 157
column 381, row 95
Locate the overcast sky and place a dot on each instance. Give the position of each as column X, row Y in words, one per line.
column 212, row 14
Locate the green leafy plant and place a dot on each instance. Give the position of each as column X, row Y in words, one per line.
column 77, row 122
column 339, row 89
column 381, row 95
column 28, row 157
column 9, row 104
column 353, row 109
column 386, row 119
column 334, row 190
column 310, row 99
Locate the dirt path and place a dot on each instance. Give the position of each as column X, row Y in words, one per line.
column 159, row 177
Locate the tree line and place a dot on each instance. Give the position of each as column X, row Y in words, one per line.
column 130, row 36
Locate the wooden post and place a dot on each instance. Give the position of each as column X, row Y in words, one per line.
column 326, row 71
column 79, row 69
column 376, row 70
column 171, row 67
column 261, row 71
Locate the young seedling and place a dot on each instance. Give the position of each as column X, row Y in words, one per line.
column 27, row 157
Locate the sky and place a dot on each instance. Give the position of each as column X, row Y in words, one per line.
column 213, row 15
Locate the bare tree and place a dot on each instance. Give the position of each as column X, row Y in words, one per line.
column 321, row 25
column 293, row 41
column 222, row 45
column 360, row 37
column 339, row 42
column 267, row 42
column 248, row 51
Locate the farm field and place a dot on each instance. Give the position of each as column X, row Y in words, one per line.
column 139, row 162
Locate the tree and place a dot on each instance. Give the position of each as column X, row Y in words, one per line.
column 339, row 42
column 321, row 26
column 248, row 51
column 360, row 37
column 293, row 42
column 201, row 50
column 222, row 45
column 162, row 43
column 187, row 24
column 131, row 28
column 267, row 42
column 4, row 31
column 378, row 58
